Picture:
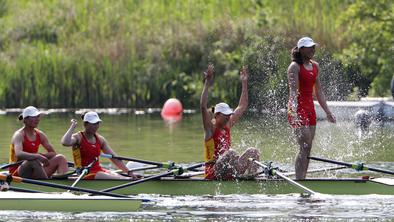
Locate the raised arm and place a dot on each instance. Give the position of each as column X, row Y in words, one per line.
column 68, row 139
column 243, row 100
column 206, row 117
column 322, row 101
column 292, row 75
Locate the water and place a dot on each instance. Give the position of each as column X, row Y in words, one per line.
column 148, row 137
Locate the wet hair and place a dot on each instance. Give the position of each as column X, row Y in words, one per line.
column 296, row 55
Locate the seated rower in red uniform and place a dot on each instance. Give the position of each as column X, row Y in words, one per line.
column 88, row 145
column 25, row 144
column 224, row 163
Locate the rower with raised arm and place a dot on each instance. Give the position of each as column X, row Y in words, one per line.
column 224, row 163
column 24, row 147
column 87, row 145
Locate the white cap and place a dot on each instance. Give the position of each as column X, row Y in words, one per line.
column 305, row 42
column 91, row 117
column 223, row 108
column 30, row 111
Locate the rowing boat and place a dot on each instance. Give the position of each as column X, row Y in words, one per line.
column 65, row 202
column 199, row 186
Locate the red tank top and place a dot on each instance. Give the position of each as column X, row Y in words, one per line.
column 307, row 79
column 222, row 142
column 89, row 152
column 28, row 146
column 222, row 139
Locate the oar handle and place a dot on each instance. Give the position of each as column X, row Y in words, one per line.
column 84, row 172
column 168, row 165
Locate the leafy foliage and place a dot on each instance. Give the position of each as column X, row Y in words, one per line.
column 132, row 53
column 370, row 44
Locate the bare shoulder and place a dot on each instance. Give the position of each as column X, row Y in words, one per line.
column 17, row 134
column 77, row 136
column 41, row 133
column 316, row 63
column 101, row 138
column 293, row 68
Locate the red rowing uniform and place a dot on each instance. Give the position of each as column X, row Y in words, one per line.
column 215, row 146
column 28, row 146
column 305, row 110
column 85, row 153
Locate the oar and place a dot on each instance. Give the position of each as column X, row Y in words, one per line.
column 17, row 189
column 168, row 165
column 69, row 164
column 275, row 172
column 177, row 171
column 84, row 172
column 10, row 165
column 318, row 170
column 16, row 179
column 358, row 167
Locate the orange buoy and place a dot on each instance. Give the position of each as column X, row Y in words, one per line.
column 172, row 110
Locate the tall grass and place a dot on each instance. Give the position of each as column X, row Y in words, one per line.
column 138, row 53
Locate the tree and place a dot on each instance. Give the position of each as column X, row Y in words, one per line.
column 369, row 38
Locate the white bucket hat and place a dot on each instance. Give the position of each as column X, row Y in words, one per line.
column 29, row 111
column 91, row 117
column 223, row 108
column 305, row 42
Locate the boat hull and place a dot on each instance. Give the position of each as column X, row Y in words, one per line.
column 69, row 203
column 168, row 186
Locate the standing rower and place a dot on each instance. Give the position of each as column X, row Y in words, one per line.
column 303, row 83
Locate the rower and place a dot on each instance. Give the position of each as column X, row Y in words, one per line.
column 88, row 145
column 25, row 144
column 222, row 162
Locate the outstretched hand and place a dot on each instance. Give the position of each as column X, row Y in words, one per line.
column 208, row 75
column 331, row 118
column 74, row 123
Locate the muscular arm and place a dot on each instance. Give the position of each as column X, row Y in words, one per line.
column 108, row 150
column 45, row 143
column 292, row 75
column 68, row 138
column 206, row 117
column 17, row 140
column 243, row 100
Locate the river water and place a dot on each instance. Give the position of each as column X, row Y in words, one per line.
column 148, row 137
